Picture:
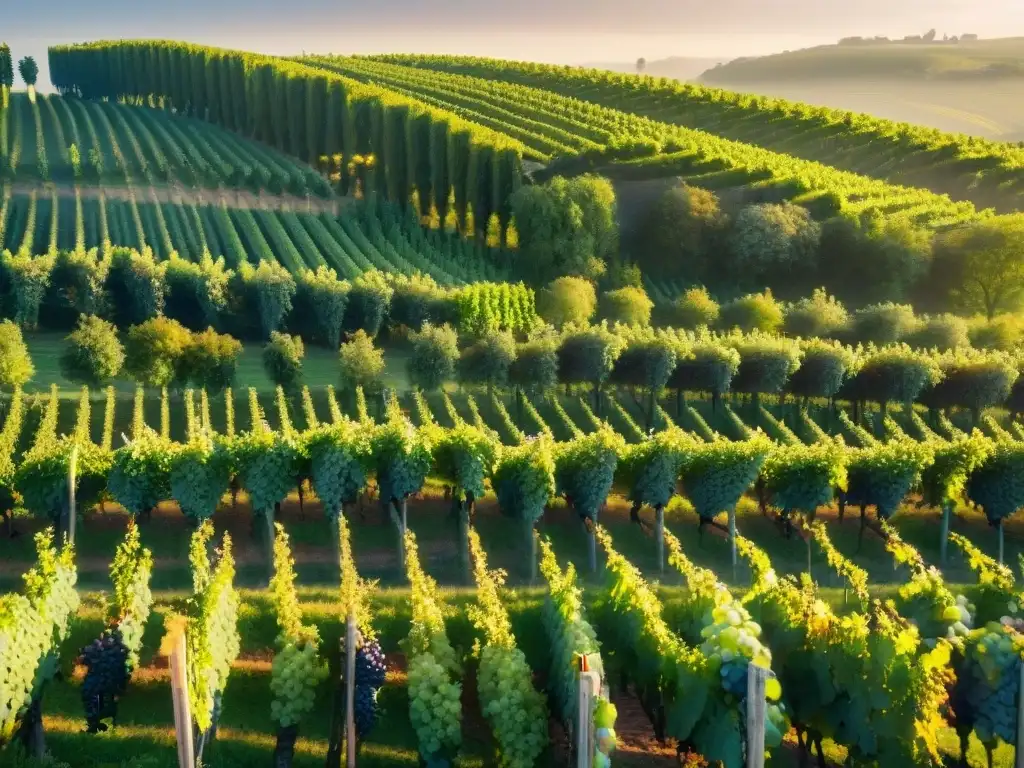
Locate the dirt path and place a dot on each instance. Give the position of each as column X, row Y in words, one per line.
column 178, row 195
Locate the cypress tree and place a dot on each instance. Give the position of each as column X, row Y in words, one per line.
column 508, row 178
column 458, row 168
column 420, row 130
column 296, row 100
column 440, row 181
column 6, row 69
column 279, row 109
column 199, row 91
column 483, row 178
column 396, row 161
column 227, row 111
column 318, row 118
column 213, row 95
column 361, row 110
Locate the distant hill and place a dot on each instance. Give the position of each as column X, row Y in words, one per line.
column 856, row 59
column 677, row 67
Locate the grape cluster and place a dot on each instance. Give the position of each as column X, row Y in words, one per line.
column 295, row 674
column 370, row 667
column 106, row 677
column 370, row 673
column 434, row 707
column 992, row 676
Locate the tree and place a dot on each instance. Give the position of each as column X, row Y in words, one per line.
column 882, row 323
column 93, row 354
column 627, row 305
column 587, row 356
column 979, row 267
column 320, row 302
column 6, row 73
column 29, row 71
column 774, row 244
column 696, row 308
column 210, row 361
column 641, row 65
column 567, row 300
column 681, row 234
column 362, row 364
column 488, row 361
column 941, row 332
column 755, row 312
column 535, row 368
column 264, row 291
column 818, row 315
column 154, row 351
column 282, row 360
column 23, row 282
column 368, row 302
column 434, row 352
column 416, row 300
column 135, row 286
column 195, row 293
column 15, row 363
column 566, row 226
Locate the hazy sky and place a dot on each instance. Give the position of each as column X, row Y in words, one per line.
column 560, row 31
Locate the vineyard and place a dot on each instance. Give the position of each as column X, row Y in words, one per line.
column 986, row 173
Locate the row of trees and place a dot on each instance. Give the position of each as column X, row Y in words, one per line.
column 309, row 113
column 688, row 235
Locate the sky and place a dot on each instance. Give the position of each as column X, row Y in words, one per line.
column 555, row 31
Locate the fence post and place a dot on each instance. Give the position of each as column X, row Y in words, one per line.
column 72, row 482
column 756, row 714
column 587, row 690
column 350, row 692
column 174, row 648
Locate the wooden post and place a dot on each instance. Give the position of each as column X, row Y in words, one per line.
column 756, row 714
column 587, row 690
column 72, row 482
column 1018, row 759
column 173, row 646
column 659, row 525
column 732, row 541
column 350, row 692
column 947, row 511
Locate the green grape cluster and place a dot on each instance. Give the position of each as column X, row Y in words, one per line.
column 515, row 709
column 435, row 707
column 998, row 484
column 200, row 475
column 339, row 457
column 268, row 464
column 140, row 476
column 130, row 572
column 716, row 475
column 990, row 676
column 524, row 478
column 294, row 676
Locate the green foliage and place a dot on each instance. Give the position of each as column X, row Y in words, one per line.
column 195, row 293
column 140, row 477
column 210, row 361
column 976, row 381
column 524, row 478
column 715, row 475
column 882, row 474
column 709, row 366
column 431, row 362
column 945, row 480
column 585, row 469
column 766, row 363
column 588, row 354
column 695, row 308
column 647, row 361
column 998, row 484
column 882, row 323
column 322, row 300
column 282, row 360
column 135, row 285
column 817, row 315
column 754, row 312
column 801, row 478
column 942, row 332
column 29, row 70
column 1002, row 332
column 200, row 474
column 681, row 234
column 567, row 300
column 514, row 708
column 489, row 307
column 978, row 268
column 773, row 243
column 650, row 469
column 268, row 290
column 535, row 367
column 268, row 464
column 566, row 226
column 401, row 458
column 130, row 572
column 368, row 301
column 488, row 360
column 6, row 67
column 340, row 460
column 93, row 354
column 361, row 363
column 824, row 367
column 629, row 305
column 77, row 287
column 417, row 299
column 15, row 364
column 24, row 279
column 463, row 458
column 894, row 374
column 154, row 351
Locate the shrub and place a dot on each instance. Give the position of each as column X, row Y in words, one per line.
column 320, row 302
column 23, row 283
column 489, row 360
column 282, row 360
column 195, row 294
column 824, row 367
column 696, row 308
column 941, row 332
column 769, row 242
column 415, row 301
column 567, row 300
column 135, row 286
column 535, row 367
column 708, row 366
column 894, row 374
column 264, row 291
column 820, row 315
column 76, row 288
column 1002, row 332
column 361, row 363
column 587, row 355
column 882, row 323
column 154, row 351
column 93, row 354
column 681, row 233
column 627, row 305
column 434, row 352
column 766, row 363
column 975, row 380
column 15, row 363
column 754, row 312
column 368, row 302
column 210, row 360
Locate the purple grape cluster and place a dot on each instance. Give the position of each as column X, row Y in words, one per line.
column 106, row 677
column 371, row 668
column 365, row 710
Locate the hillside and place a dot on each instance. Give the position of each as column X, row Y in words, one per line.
column 986, row 173
column 677, row 67
column 973, row 60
